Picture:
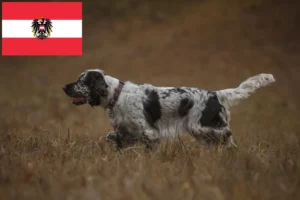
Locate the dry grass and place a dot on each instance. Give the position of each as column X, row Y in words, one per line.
column 50, row 149
column 40, row 166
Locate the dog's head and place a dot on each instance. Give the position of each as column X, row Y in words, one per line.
column 90, row 87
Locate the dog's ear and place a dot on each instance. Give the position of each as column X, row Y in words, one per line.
column 96, row 82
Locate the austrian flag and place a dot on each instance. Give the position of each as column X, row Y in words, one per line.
column 42, row 28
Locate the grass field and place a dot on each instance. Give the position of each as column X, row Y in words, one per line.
column 51, row 149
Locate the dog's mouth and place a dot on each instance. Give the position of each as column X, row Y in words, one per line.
column 79, row 100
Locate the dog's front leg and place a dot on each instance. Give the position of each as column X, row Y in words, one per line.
column 121, row 139
column 114, row 138
column 150, row 143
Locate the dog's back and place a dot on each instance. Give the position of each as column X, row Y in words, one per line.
column 204, row 114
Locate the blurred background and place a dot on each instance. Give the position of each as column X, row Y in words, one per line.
column 210, row 44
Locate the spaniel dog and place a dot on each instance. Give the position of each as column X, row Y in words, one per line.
column 146, row 113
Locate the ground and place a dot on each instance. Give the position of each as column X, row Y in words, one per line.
column 51, row 149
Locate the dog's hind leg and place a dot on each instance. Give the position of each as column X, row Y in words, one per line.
column 211, row 136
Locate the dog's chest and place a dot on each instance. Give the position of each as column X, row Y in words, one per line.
column 115, row 118
column 111, row 115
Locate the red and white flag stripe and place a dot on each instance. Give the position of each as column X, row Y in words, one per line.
column 66, row 35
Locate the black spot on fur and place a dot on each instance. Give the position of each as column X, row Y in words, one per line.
column 211, row 114
column 165, row 95
column 180, row 90
column 193, row 90
column 184, row 107
column 152, row 107
column 168, row 92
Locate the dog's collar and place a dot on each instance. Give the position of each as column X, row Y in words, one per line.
column 117, row 93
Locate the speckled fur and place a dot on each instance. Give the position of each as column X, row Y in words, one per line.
column 148, row 113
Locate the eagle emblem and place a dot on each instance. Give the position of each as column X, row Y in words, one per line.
column 41, row 28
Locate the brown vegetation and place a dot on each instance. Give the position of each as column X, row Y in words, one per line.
column 51, row 149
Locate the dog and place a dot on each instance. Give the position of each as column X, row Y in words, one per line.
column 147, row 113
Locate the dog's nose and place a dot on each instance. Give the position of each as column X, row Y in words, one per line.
column 68, row 88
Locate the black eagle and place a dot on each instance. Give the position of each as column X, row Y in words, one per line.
column 41, row 28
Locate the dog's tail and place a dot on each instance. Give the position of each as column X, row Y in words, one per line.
column 232, row 96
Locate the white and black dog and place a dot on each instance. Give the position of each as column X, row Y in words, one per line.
column 147, row 113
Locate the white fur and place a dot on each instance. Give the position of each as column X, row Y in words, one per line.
column 129, row 110
column 230, row 97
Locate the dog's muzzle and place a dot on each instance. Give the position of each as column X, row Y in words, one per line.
column 77, row 99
